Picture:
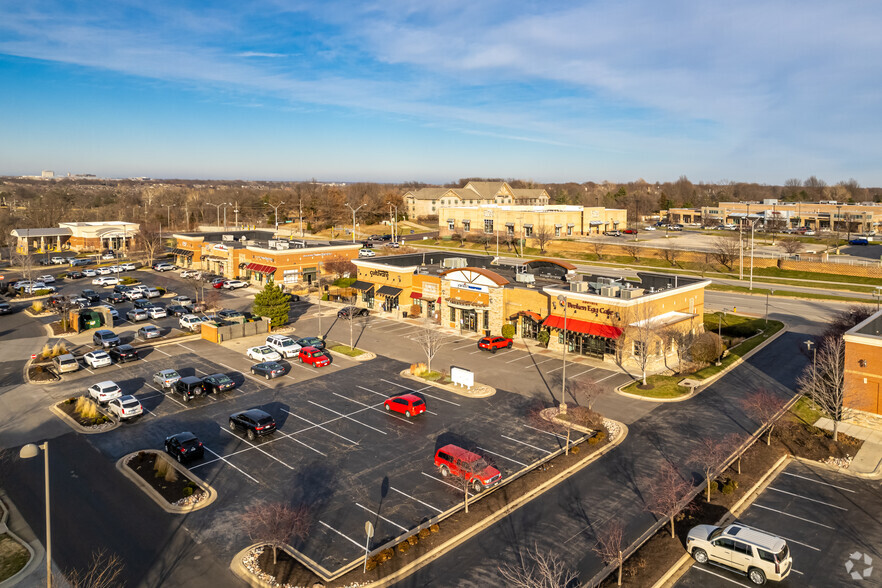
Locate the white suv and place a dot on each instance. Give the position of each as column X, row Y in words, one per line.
column 757, row 554
column 286, row 346
column 191, row 322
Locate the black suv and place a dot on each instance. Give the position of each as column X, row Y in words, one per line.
column 91, row 295
column 184, row 446
column 348, row 312
column 116, row 298
column 189, row 387
column 105, row 338
column 254, row 421
column 217, row 383
column 123, row 353
column 311, row 342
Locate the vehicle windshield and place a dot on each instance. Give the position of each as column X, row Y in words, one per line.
column 222, row 379
column 264, row 350
column 286, row 343
column 479, row 465
column 67, row 361
column 714, row 534
column 783, row 554
column 110, row 389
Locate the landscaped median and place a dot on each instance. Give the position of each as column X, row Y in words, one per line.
column 420, row 373
column 391, row 562
column 353, row 353
column 169, row 484
column 740, row 334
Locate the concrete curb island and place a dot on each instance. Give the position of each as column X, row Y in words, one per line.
column 81, row 429
column 154, row 495
column 486, row 391
column 34, row 548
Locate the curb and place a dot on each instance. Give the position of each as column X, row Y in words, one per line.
column 365, row 355
column 874, row 475
column 27, row 379
column 78, row 427
column 709, row 380
column 32, row 562
column 239, row 570
column 154, row 495
column 676, row 571
column 490, row 391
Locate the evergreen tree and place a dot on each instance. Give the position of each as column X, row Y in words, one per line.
column 272, row 303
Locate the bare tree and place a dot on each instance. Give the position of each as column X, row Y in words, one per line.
column 25, row 261
column 708, row 455
column 150, row 241
column 430, row 341
column 823, row 382
column 598, row 247
column 666, row 492
column 643, row 333
column 610, row 544
column 587, row 389
column 671, row 255
column 632, row 250
column 104, row 571
column 678, row 341
column 543, row 235
column 765, row 407
column 276, row 524
column 725, row 250
column 791, row 245
column 340, row 266
column 535, row 569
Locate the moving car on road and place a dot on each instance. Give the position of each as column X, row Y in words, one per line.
column 268, row 369
column 184, row 446
column 125, row 407
column 104, row 392
column 452, row 459
column 263, row 353
column 760, row 555
column 253, row 421
column 407, row 404
column 492, row 344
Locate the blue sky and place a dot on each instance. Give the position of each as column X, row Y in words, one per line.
column 433, row 91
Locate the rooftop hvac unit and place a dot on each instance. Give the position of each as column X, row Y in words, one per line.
column 227, row 238
column 580, row 286
column 610, row 291
column 282, row 245
column 271, row 244
column 454, row 262
column 606, row 281
column 630, row 293
column 525, row 278
column 243, row 239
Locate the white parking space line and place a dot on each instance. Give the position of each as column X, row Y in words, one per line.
column 357, row 544
column 223, row 459
column 786, row 514
column 818, row 482
column 319, row 426
column 257, row 448
column 426, row 504
column 347, row 417
column 503, row 457
column 187, row 348
column 399, row 329
column 706, row 571
column 805, row 498
column 161, row 351
column 376, row 408
column 421, row 390
column 296, row 440
column 606, row 378
column 546, row 432
column 166, row 394
column 379, row 516
column 445, row 483
column 464, row 346
column 523, row 443
column 585, row 372
column 555, row 369
column 518, row 358
column 789, row 540
column 541, row 362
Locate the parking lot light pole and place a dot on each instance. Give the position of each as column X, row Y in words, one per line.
column 276, row 210
column 752, row 226
column 878, row 295
column 767, row 306
column 354, row 210
column 561, row 299
column 26, row 452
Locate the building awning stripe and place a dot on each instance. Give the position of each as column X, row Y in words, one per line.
column 361, row 286
column 183, row 252
column 389, row 291
column 261, row 269
column 584, row 327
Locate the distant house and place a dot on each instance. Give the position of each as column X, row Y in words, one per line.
column 427, row 202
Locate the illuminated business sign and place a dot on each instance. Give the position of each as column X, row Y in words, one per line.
column 472, row 287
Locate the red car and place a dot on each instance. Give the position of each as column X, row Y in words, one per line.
column 494, row 343
column 407, row 404
column 218, row 283
column 314, row 357
column 453, row 460
column 630, row 231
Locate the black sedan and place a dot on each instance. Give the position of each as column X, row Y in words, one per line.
column 217, row 383
column 177, row 310
column 349, row 312
column 311, row 342
column 254, row 421
column 5, row 308
column 75, row 275
column 268, row 369
column 91, row 295
column 123, row 353
column 116, row 298
column 184, row 446
column 228, row 314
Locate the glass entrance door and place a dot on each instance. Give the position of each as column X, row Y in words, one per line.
column 470, row 320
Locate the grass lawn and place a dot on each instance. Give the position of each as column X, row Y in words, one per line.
column 346, row 350
column 805, row 411
column 739, row 350
column 13, row 557
column 662, row 387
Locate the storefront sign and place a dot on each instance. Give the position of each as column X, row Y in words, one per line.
column 262, row 258
column 472, row 287
column 462, row 377
column 379, row 274
column 221, row 248
column 430, row 289
column 591, row 308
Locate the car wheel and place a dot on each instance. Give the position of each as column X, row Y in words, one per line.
column 253, row 373
column 445, row 471
column 492, row 350
column 407, row 413
column 477, row 487
column 179, row 458
column 267, row 376
column 388, row 408
column 699, row 555
column 186, row 398
column 757, row 576
column 508, row 346
column 232, row 425
column 251, row 435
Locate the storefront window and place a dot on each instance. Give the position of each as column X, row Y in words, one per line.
column 488, row 225
column 639, row 348
column 569, row 230
column 557, row 231
column 528, row 230
column 509, row 230
column 452, row 315
column 466, row 226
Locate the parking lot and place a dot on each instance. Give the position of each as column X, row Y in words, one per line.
column 831, row 521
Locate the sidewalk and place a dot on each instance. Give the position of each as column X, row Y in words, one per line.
column 869, row 456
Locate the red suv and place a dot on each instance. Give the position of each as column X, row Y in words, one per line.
column 314, row 357
column 494, row 343
column 455, row 460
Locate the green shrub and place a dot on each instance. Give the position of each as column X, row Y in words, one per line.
column 543, row 337
column 508, row 331
column 126, row 280
column 727, row 487
column 188, row 491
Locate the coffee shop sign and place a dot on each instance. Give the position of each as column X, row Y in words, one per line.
column 261, row 258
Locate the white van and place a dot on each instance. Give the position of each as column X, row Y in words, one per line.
column 286, row 346
column 65, row 363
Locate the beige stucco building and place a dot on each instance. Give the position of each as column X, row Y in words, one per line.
column 525, row 221
column 78, row 236
column 826, row 215
column 428, row 202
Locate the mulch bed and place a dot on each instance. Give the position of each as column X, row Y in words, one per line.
column 791, row 436
column 42, row 373
column 69, row 406
column 143, row 463
column 57, row 330
column 290, row 571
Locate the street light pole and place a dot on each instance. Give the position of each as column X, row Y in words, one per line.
column 767, row 306
column 168, row 215
column 561, row 299
column 225, row 214
column 752, row 226
column 218, row 207
column 276, row 210
column 354, row 210
column 26, row 452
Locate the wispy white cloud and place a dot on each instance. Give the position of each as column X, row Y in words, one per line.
column 260, row 54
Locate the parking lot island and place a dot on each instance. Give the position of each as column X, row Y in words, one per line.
column 187, row 503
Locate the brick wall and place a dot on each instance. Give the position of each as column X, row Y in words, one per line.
column 863, row 385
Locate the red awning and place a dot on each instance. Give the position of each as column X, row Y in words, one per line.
column 261, row 269
column 416, row 295
column 596, row 329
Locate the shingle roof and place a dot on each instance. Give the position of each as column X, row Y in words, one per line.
column 56, row 232
column 486, row 190
column 529, row 192
column 427, row 193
